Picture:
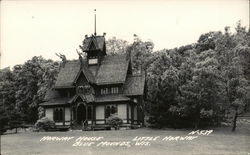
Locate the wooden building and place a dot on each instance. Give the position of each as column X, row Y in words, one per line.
column 88, row 91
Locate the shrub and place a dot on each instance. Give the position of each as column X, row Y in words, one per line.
column 44, row 124
column 114, row 121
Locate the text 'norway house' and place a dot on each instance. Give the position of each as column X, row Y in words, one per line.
column 88, row 91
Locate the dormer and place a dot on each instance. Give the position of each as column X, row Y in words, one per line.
column 95, row 47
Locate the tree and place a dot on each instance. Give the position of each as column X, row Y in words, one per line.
column 141, row 53
column 234, row 58
column 7, row 98
column 15, row 119
column 4, row 119
column 32, row 80
column 116, row 46
column 237, row 90
column 199, row 98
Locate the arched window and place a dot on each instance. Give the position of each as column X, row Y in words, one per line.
column 110, row 110
column 113, row 110
column 58, row 114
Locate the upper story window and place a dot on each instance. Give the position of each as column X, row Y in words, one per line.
column 86, row 89
column 104, row 91
column 114, row 90
column 92, row 60
column 79, row 90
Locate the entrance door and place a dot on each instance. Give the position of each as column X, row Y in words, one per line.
column 81, row 113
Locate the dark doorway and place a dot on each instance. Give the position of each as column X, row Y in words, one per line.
column 81, row 113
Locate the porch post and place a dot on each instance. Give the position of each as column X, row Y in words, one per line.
column 127, row 112
column 86, row 113
column 63, row 115
column 132, row 113
column 143, row 110
column 70, row 115
column 92, row 115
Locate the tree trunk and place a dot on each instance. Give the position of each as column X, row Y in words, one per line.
column 197, row 119
column 235, row 121
column 197, row 123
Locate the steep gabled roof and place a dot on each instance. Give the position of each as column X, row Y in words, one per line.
column 98, row 41
column 70, row 72
column 134, row 85
column 113, row 69
column 87, row 73
column 67, row 74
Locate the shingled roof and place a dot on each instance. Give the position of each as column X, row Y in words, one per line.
column 111, row 98
column 51, row 94
column 70, row 72
column 52, row 97
column 113, row 69
column 98, row 41
column 134, row 85
column 88, row 98
column 56, row 101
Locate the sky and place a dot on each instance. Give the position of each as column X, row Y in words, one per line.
column 33, row 28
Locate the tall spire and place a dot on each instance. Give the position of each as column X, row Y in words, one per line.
column 95, row 22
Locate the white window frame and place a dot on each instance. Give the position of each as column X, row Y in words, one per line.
column 93, row 61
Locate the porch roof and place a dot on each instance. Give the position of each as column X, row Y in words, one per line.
column 88, row 98
column 55, row 101
column 111, row 98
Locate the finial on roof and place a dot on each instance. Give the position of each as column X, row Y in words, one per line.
column 63, row 57
column 80, row 57
column 95, row 22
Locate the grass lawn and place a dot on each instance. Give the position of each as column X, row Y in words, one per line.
column 221, row 142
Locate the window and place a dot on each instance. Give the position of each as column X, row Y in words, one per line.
column 89, row 113
column 79, row 89
column 74, row 113
column 110, row 110
column 86, row 89
column 58, row 114
column 93, row 61
column 114, row 90
column 104, row 91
